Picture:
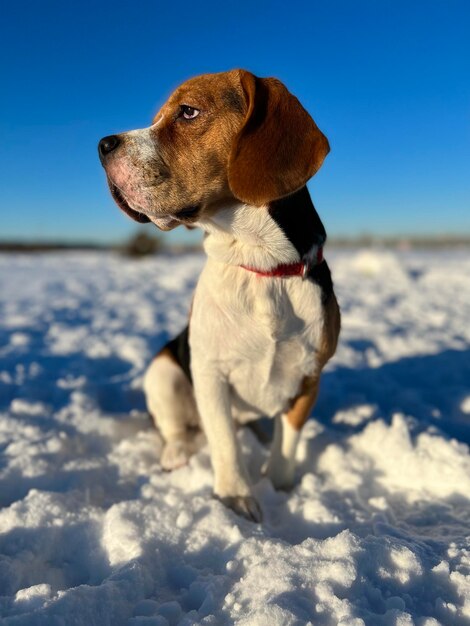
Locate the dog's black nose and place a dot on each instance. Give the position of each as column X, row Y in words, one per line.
column 108, row 144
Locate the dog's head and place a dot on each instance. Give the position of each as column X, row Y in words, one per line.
column 218, row 138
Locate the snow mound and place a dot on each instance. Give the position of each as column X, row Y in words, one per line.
column 376, row 262
column 93, row 532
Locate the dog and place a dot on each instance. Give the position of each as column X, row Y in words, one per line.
column 231, row 153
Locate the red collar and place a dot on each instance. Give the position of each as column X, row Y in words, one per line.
column 301, row 268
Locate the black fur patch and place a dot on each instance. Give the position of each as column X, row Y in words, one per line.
column 297, row 218
column 321, row 275
column 179, row 348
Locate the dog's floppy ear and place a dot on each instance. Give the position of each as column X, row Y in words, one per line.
column 279, row 146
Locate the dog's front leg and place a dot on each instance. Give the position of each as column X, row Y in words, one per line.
column 281, row 465
column 231, row 483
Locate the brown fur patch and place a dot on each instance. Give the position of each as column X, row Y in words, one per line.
column 279, row 146
column 302, row 405
column 331, row 329
column 197, row 151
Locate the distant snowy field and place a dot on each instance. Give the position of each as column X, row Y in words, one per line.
column 92, row 532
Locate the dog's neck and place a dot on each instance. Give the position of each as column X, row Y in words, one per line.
column 283, row 232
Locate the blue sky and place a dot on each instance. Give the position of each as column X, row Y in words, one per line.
column 387, row 82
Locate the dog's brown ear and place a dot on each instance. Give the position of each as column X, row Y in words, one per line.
column 279, row 146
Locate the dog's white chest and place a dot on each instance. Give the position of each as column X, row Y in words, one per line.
column 259, row 333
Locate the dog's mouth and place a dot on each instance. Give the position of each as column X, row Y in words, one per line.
column 122, row 204
column 184, row 216
column 187, row 213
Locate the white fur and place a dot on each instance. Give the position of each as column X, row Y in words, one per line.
column 253, row 338
column 126, row 170
column 261, row 332
column 281, row 464
column 245, row 235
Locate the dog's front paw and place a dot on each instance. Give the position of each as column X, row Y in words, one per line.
column 281, row 475
column 245, row 506
column 175, row 454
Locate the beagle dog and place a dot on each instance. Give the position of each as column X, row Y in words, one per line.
column 231, row 153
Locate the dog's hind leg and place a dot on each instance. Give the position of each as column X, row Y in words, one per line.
column 170, row 402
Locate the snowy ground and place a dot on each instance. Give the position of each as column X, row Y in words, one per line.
column 92, row 532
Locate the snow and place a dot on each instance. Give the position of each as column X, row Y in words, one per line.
column 92, row 532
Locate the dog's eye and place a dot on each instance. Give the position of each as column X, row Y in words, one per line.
column 189, row 113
